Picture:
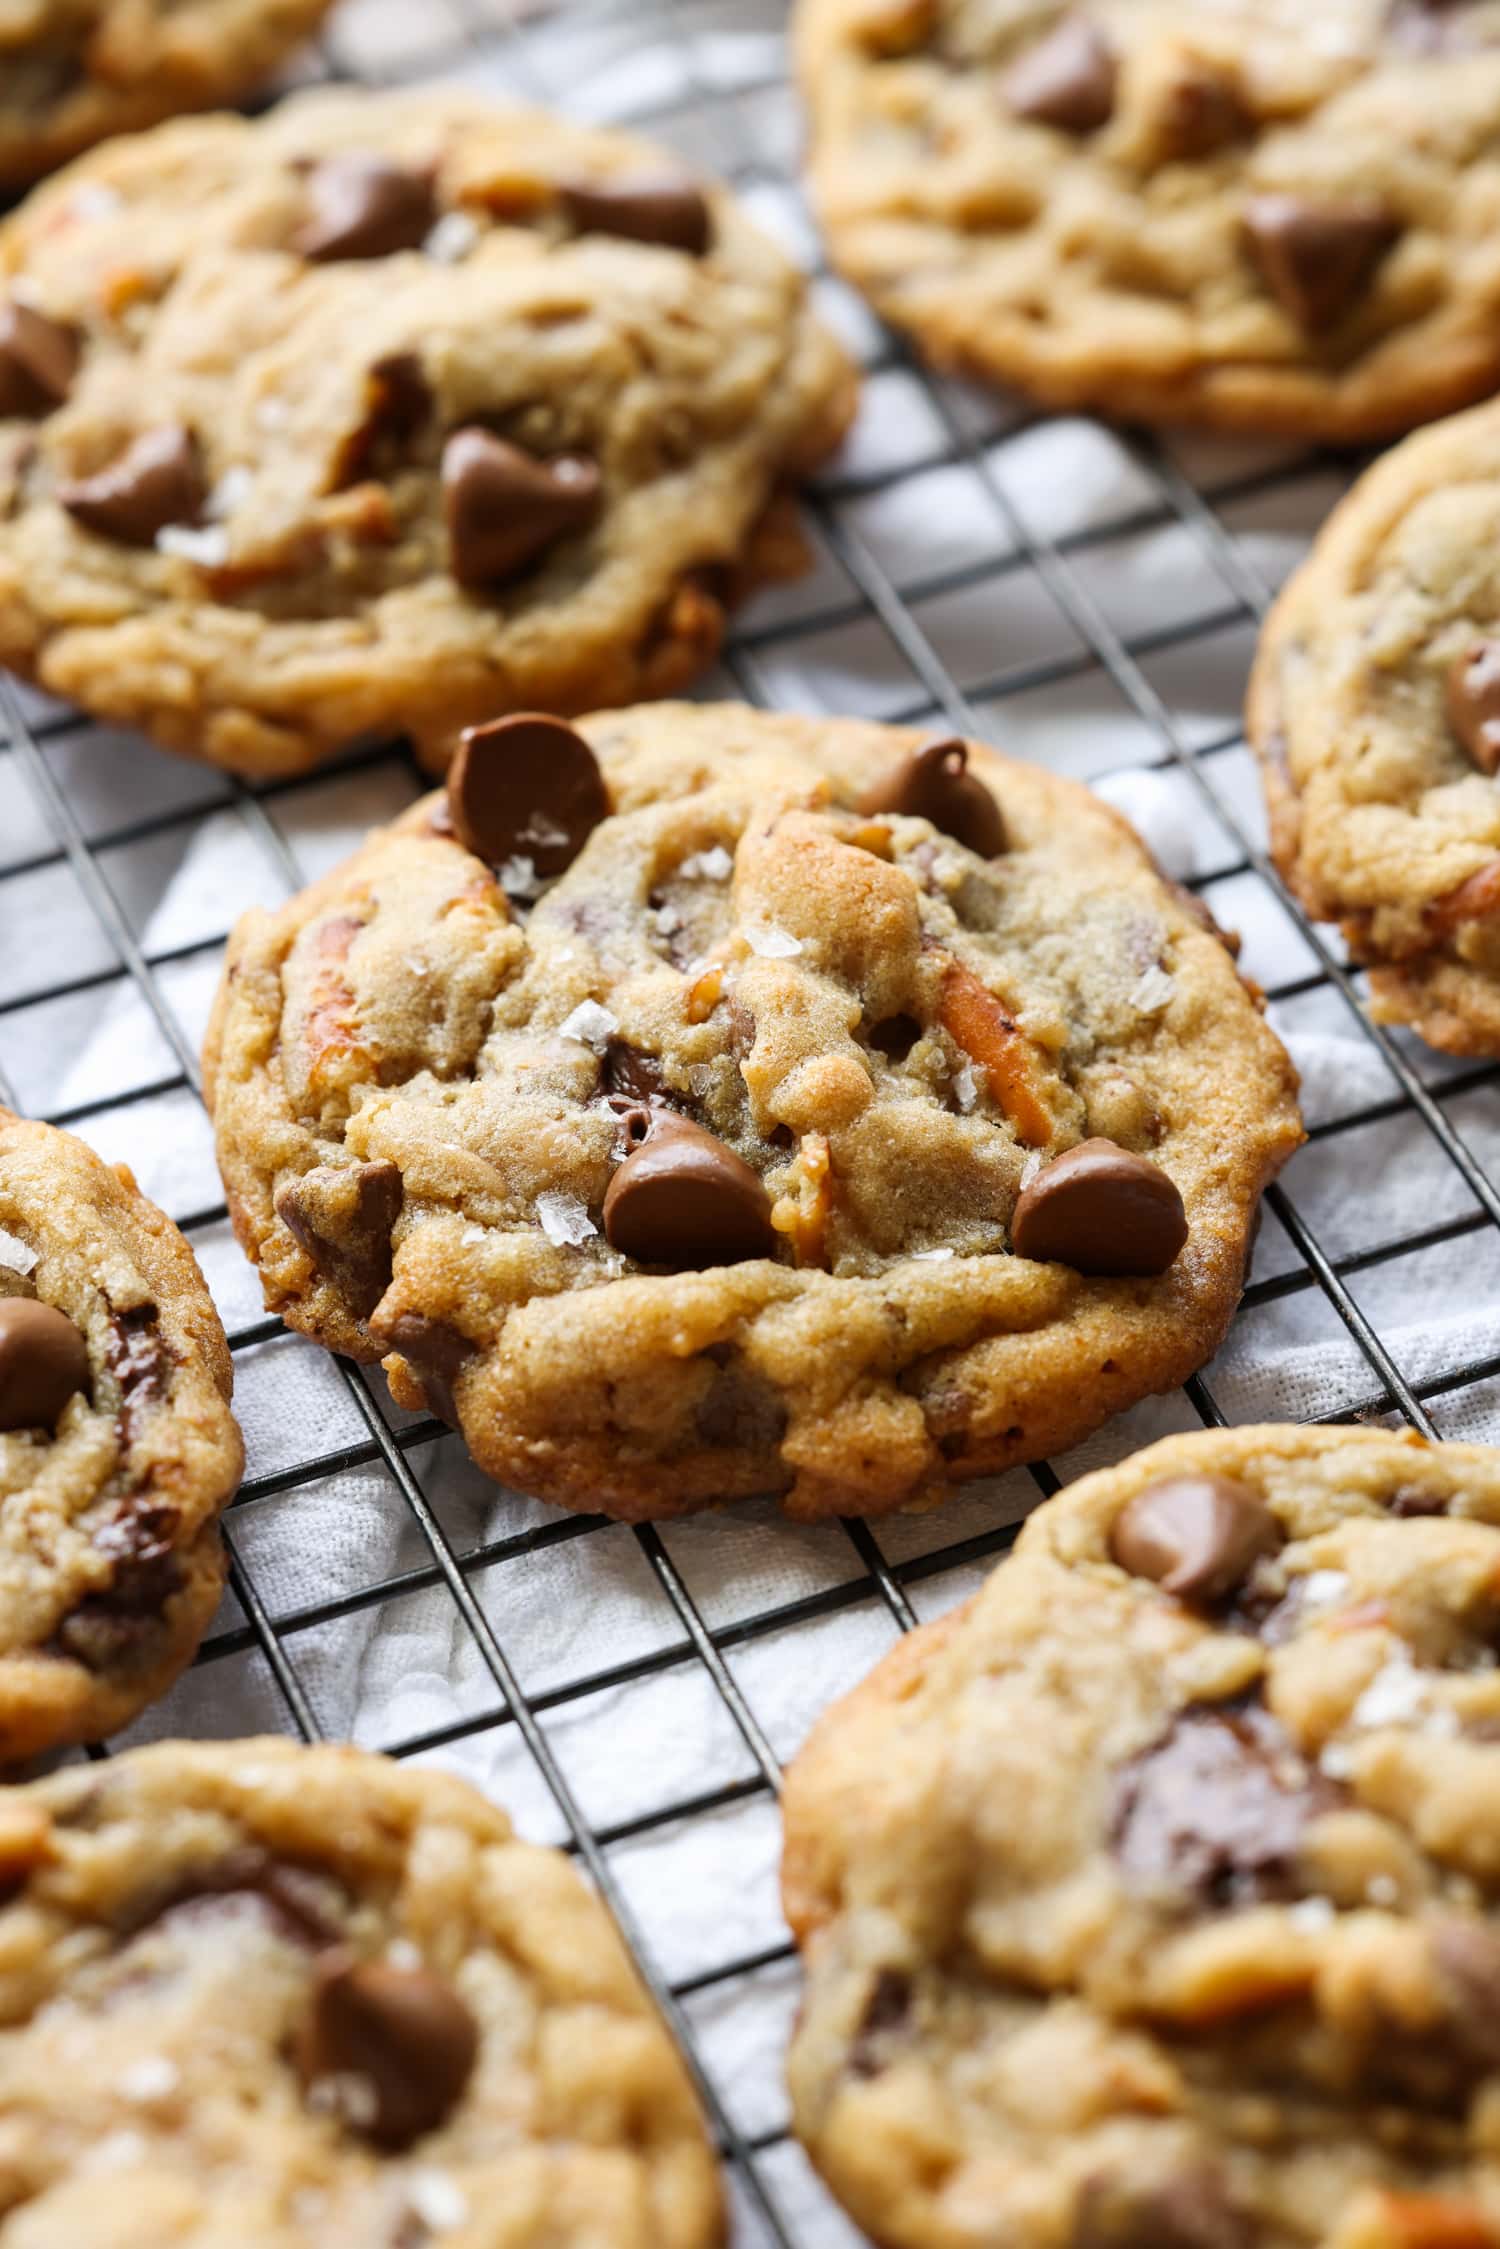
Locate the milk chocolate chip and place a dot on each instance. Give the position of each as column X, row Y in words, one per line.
column 1317, row 256
column 38, row 360
column 1066, row 80
column 157, row 480
column 527, row 786
column 363, row 206
column 682, row 1199
column 1218, row 1807
column 670, row 213
column 437, row 1355
column 935, row 784
column 43, row 1362
column 343, row 1219
column 1474, row 702
column 1189, row 2211
column 402, row 2032
column 504, row 508
column 1101, row 1210
column 1194, row 1536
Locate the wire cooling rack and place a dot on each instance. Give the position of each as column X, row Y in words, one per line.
column 1077, row 595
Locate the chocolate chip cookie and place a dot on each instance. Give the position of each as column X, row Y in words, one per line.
column 72, row 72
column 1375, row 707
column 118, row 1451
column 698, row 1103
column 258, row 1993
column 1152, row 1899
column 386, row 413
column 1257, row 215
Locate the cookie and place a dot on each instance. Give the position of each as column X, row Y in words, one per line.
column 701, row 1103
column 386, row 413
column 72, row 72
column 259, row 1993
column 118, row 1451
column 1233, row 215
column 1374, row 705
column 1148, row 1900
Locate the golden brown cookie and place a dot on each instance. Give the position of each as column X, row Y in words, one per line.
column 1252, row 214
column 385, row 413
column 700, row 1103
column 1149, row 1900
column 118, row 1452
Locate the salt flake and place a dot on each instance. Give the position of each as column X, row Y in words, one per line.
column 437, row 2200
column 713, row 865
column 1395, row 1696
column 1155, row 990
column 966, row 1087
column 667, row 920
column 452, row 238
column 1383, row 1889
column 700, row 1079
column 209, row 548
column 1336, row 1762
column 272, row 413
column 564, row 1219
column 591, row 1024
column 232, row 491
column 471, row 1235
column 519, row 878
column 773, row 944
column 1323, row 1589
column 1312, row 1914
column 931, row 1256
column 95, row 201
column 15, row 1254
column 1032, row 1166
column 150, row 2078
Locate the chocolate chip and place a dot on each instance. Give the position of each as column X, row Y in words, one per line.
column 671, row 213
column 1218, row 1807
column 1195, row 1536
column 887, row 2009
column 740, row 1408
column 1411, row 1500
column 397, row 402
column 527, row 786
column 1317, row 256
column 1066, row 80
column 363, row 206
column 683, row 1200
column 1102, row 1210
column 934, row 784
column 343, row 1218
column 1191, row 2210
column 157, row 480
column 1468, row 1956
column 1473, row 698
column 44, row 1361
column 403, row 2032
column 504, row 507
column 631, row 1074
column 38, row 361
column 105, row 1627
column 437, row 1354
column 138, row 1359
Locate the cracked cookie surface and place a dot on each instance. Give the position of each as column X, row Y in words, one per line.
column 118, row 1451
column 384, row 413
column 785, row 1143
column 73, row 72
column 1371, row 707
column 1148, row 1901
column 254, row 1992
column 1244, row 215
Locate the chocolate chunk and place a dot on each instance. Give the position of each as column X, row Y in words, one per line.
column 138, row 1359
column 740, row 1408
column 363, row 206
column 403, row 2032
column 397, row 403
column 38, row 361
column 1189, row 2211
column 1411, row 1500
column 44, row 1361
column 1468, row 1958
column 934, row 784
column 1317, row 256
column 1066, row 80
column 1101, row 1210
column 504, row 508
column 887, row 2009
column 1216, row 1810
column 157, row 480
column 437, row 1354
column 527, row 786
column 1202, row 111
column 343, row 1219
column 670, row 213
column 105, row 1628
column 1473, row 697
column 683, row 1200
column 1196, row 1536
column 630, row 1073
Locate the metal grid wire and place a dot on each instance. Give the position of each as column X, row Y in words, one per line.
column 1091, row 618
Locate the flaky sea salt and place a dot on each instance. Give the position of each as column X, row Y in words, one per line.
column 117, row 2151
column 931, row 1256
column 452, row 238
column 1396, row 1695
column 1154, row 991
column 232, row 491
column 95, row 201
column 150, row 2078
column 1336, row 1762
column 713, row 865
column 519, row 878
column 208, row 547
column 564, row 1219
column 1311, row 1914
column 437, row 2200
column 1383, row 1889
column 666, row 920
column 1032, row 1166
column 544, row 833
column 772, row 944
column 15, row 1254
column 1322, row 1589
column 591, row 1024
column 402, row 1953
column 272, row 413
column 966, row 1087
column 470, row 1236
